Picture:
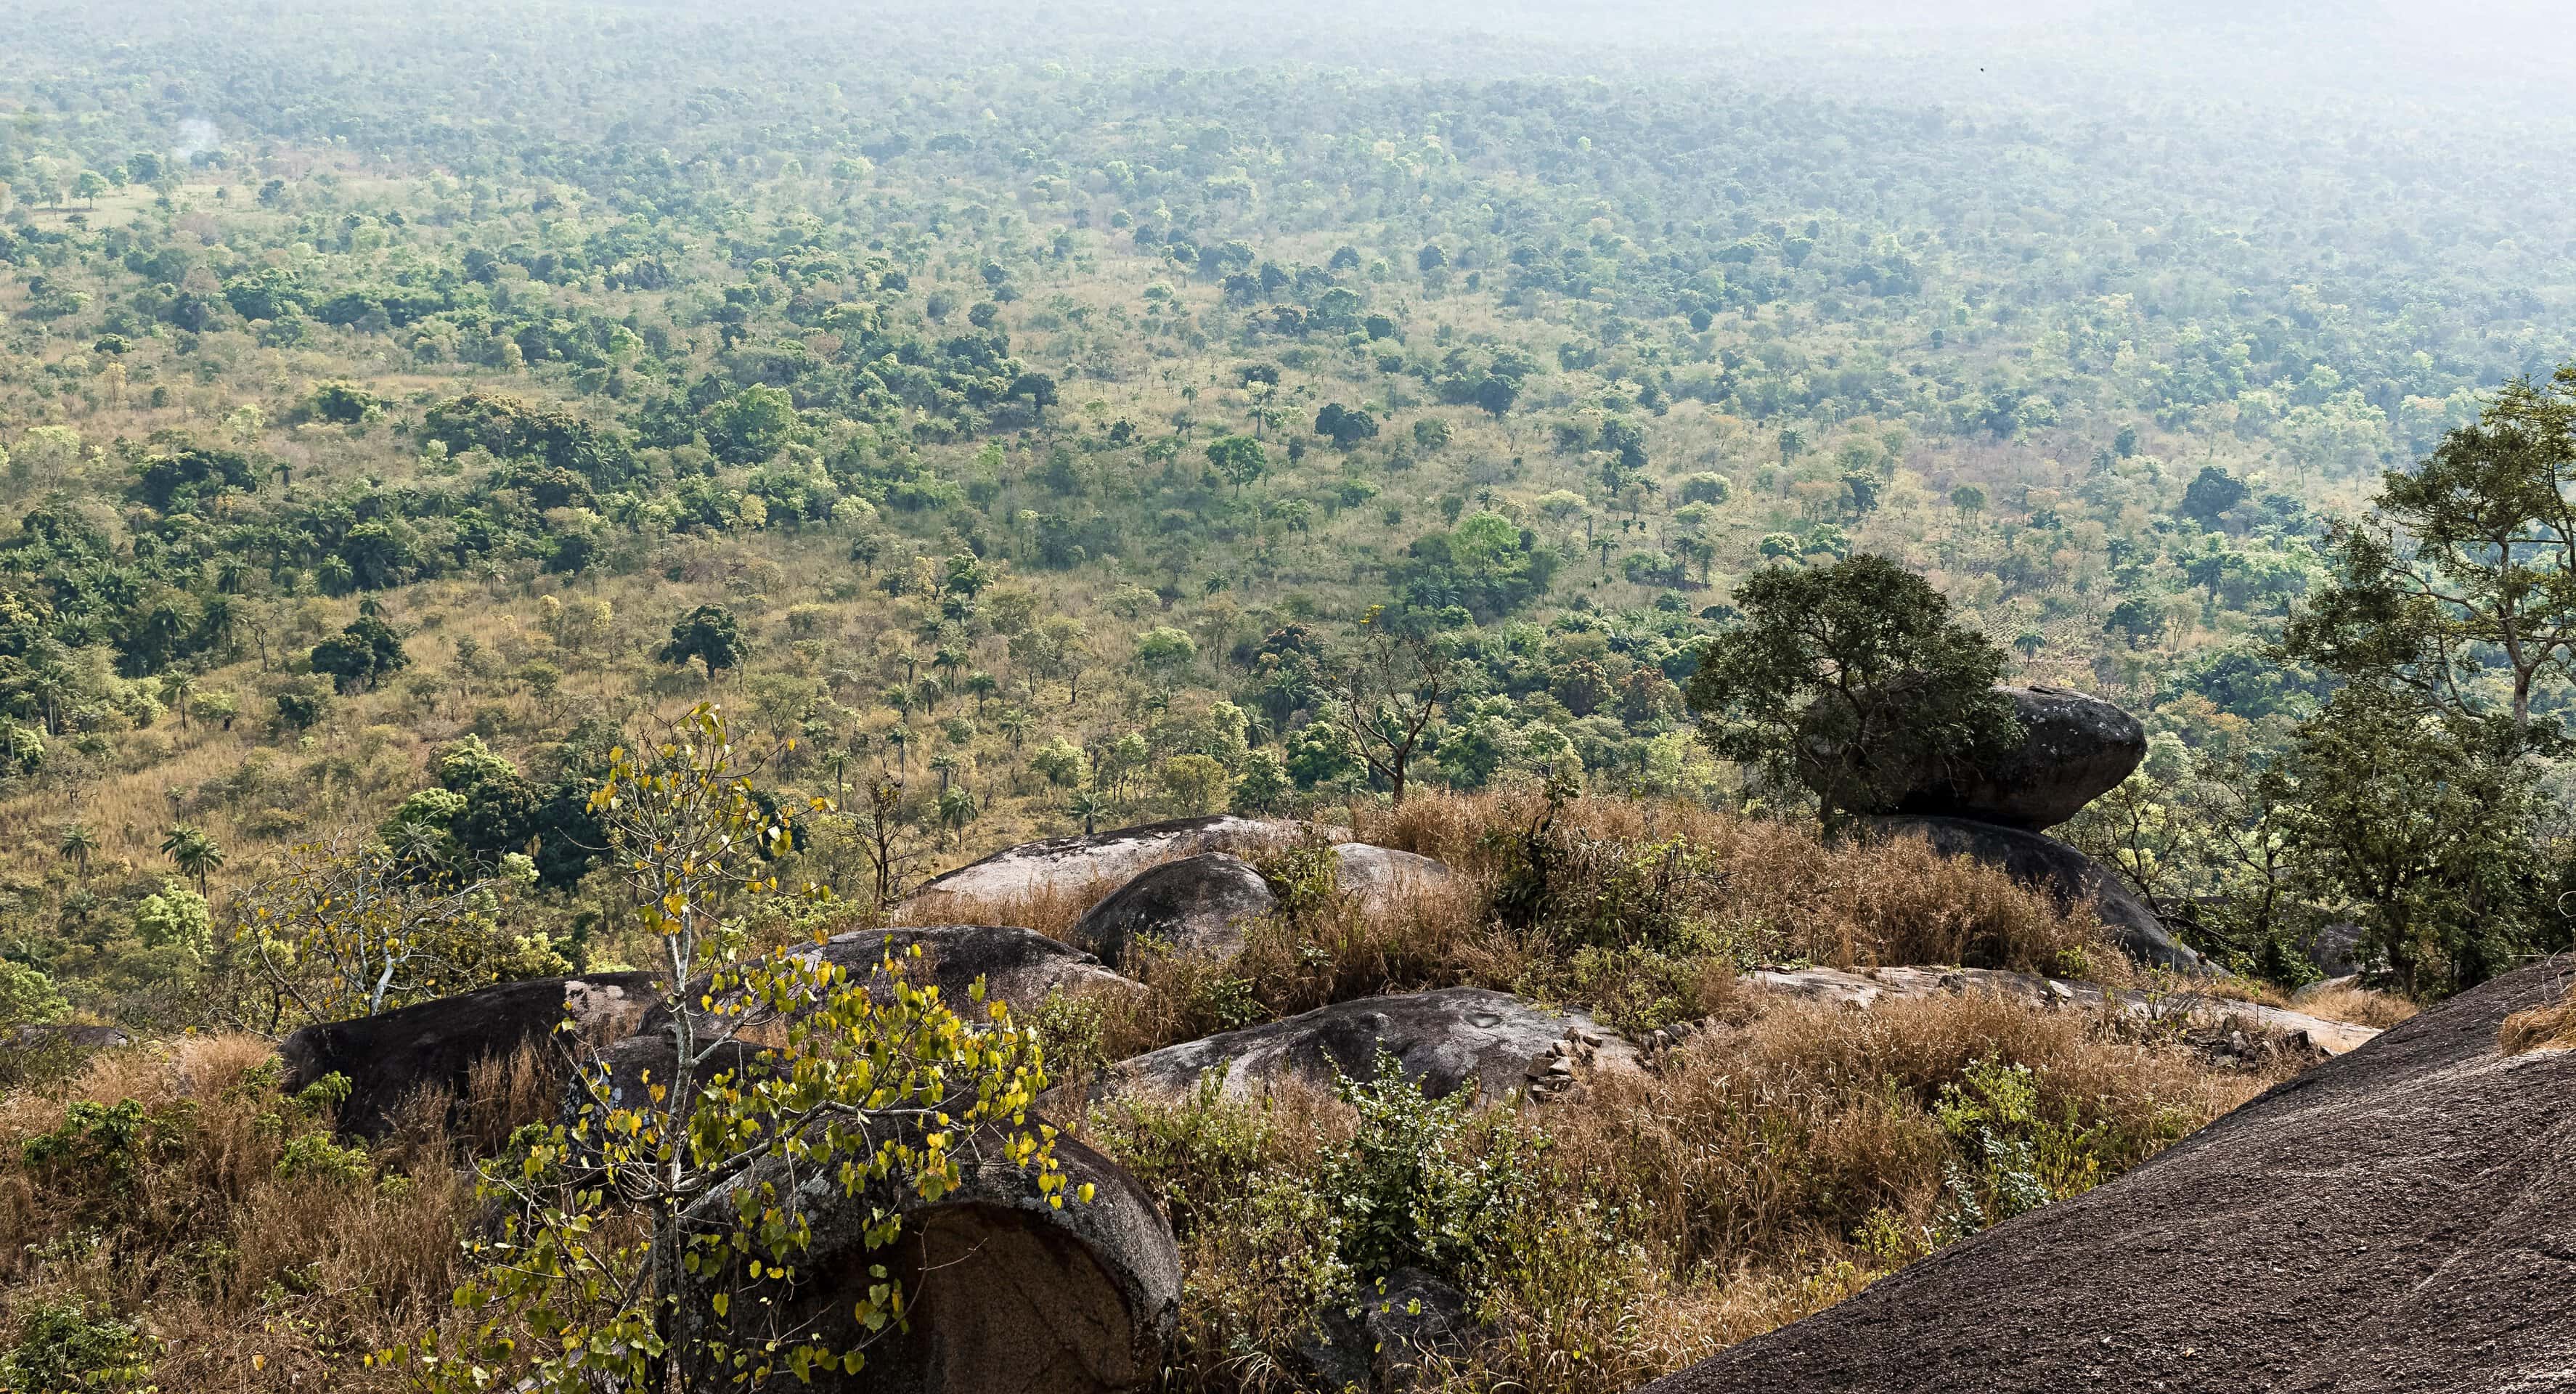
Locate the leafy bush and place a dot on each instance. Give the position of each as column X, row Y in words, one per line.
column 1424, row 1183
column 63, row 1349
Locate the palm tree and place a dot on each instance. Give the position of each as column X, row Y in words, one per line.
column 177, row 686
column 78, row 842
column 946, row 763
column 193, row 851
column 1090, row 804
column 956, row 810
column 948, row 660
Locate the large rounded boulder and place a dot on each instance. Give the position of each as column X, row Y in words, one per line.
column 1445, row 1040
column 2396, row 1219
column 76, row 1037
column 1018, row 966
column 2046, row 864
column 1005, row 1290
column 2074, row 749
column 1382, row 878
column 1073, row 865
column 1197, row 905
column 435, row 1045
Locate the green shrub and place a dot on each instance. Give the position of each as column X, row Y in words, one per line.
column 97, row 1157
column 1425, row 1183
column 315, row 1157
column 2009, row 1160
column 61, row 1348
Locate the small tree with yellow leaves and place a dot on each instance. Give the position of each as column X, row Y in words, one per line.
column 352, row 928
column 649, row 1241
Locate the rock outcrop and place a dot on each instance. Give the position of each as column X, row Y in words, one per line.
column 393, row 1055
column 1383, row 878
column 70, row 1037
column 1381, row 1343
column 2335, row 948
column 1197, row 905
column 2044, row 863
column 1005, row 1291
column 2074, row 749
column 1446, row 1040
column 1018, row 966
column 619, row 1076
column 2393, row 1220
column 1074, row 863
column 1867, row 987
column 1201, row 904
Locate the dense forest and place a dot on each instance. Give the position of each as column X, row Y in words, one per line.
column 1032, row 423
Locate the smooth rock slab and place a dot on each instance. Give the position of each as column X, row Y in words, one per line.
column 2074, row 749
column 1019, row 966
column 1383, row 878
column 70, row 1037
column 1867, row 987
column 1074, row 864
column 435, row 1045
column 1453, row 1038
column 1380, row 1343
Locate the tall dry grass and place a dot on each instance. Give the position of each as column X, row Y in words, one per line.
column 2358, row 1005
column 1641, row 913
column 1771, row 889
column 1752, row 1180
column 1333, row 948
column 2552, row 1027
column 1747, row 1176
column 255, row 1252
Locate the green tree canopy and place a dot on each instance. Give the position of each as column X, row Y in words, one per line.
column 1239, row 459
column 707, row 635
column 1851, row 679
column 2462, row 588
column 363, row 651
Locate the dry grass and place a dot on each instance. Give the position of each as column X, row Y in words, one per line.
column 1768, row 1170
column 1642, row 914
column 2540, row 1028
column 1772, row 890
column 1304, row 957
column 257, row 1255
column 1758, row 1177
column 2358, row 1005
